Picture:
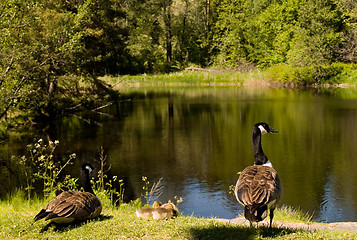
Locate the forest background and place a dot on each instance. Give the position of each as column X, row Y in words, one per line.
column 53, row 51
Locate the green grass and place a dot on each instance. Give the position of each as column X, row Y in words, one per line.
column 184, row 78
column 16, row 222
column 286, row 213
column 336, row 73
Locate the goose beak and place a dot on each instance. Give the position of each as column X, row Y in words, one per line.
column 272, row 130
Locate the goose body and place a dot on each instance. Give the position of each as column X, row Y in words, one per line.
column 259, row 187
column 166, row 211
column 72, row 206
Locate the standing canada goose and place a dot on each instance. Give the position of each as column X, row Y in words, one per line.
column 146, row 212
column 259, row 187
column 166, row 211
column 72, row 206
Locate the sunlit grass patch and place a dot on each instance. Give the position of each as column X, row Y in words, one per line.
column 183, row 78
column 336, row 73
column 288, row 213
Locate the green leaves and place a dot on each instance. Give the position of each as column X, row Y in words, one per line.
column 296, row 32
column 44, row 41
column 316, row 34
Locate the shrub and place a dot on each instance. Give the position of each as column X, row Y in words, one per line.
column 334, row 73
column 279, row 73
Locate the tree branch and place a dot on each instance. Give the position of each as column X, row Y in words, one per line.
column 12, row 100
column 6, row 71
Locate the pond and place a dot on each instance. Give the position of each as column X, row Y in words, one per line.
column 198, row 138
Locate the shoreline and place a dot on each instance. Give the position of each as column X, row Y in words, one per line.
column 253, row 82
column 312, row 226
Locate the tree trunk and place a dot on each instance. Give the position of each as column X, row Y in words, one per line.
column 183, row 39
column 207, row 13
column 167, row 19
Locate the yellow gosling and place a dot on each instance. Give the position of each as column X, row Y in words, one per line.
column 166, row 211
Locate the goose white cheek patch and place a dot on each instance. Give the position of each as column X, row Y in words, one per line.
column 262, row 129
column 89, row 169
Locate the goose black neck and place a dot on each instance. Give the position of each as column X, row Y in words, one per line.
column 259, row 155
column 86, row 181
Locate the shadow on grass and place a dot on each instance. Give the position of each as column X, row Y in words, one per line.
column 66, row 227
column 239, row 232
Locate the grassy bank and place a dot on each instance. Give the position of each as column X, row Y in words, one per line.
column 279, row 75
column 335, row 73
column 16, row 222
column 184, row 78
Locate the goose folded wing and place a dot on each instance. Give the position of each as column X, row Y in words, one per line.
column 257, row 185
column 73, row 204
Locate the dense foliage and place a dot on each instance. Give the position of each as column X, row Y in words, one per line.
column 52, row 50
column 296, row 32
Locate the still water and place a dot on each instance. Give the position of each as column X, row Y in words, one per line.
column 198, row 139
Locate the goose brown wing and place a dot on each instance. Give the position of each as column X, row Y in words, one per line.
column 74, row 204
column 258, row 185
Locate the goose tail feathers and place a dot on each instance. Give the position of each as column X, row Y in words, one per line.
column 42, row 214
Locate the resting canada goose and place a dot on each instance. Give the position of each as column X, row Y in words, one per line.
column 146, row 212
column 72, row 206
column 259, row 187
column 166, row 211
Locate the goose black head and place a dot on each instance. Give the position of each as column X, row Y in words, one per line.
column 265, row 128
column 87, row 167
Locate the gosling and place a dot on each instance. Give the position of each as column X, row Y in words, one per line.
column 166, row 211
column 147, row 212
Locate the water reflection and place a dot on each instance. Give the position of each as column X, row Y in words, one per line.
column 197, row 139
